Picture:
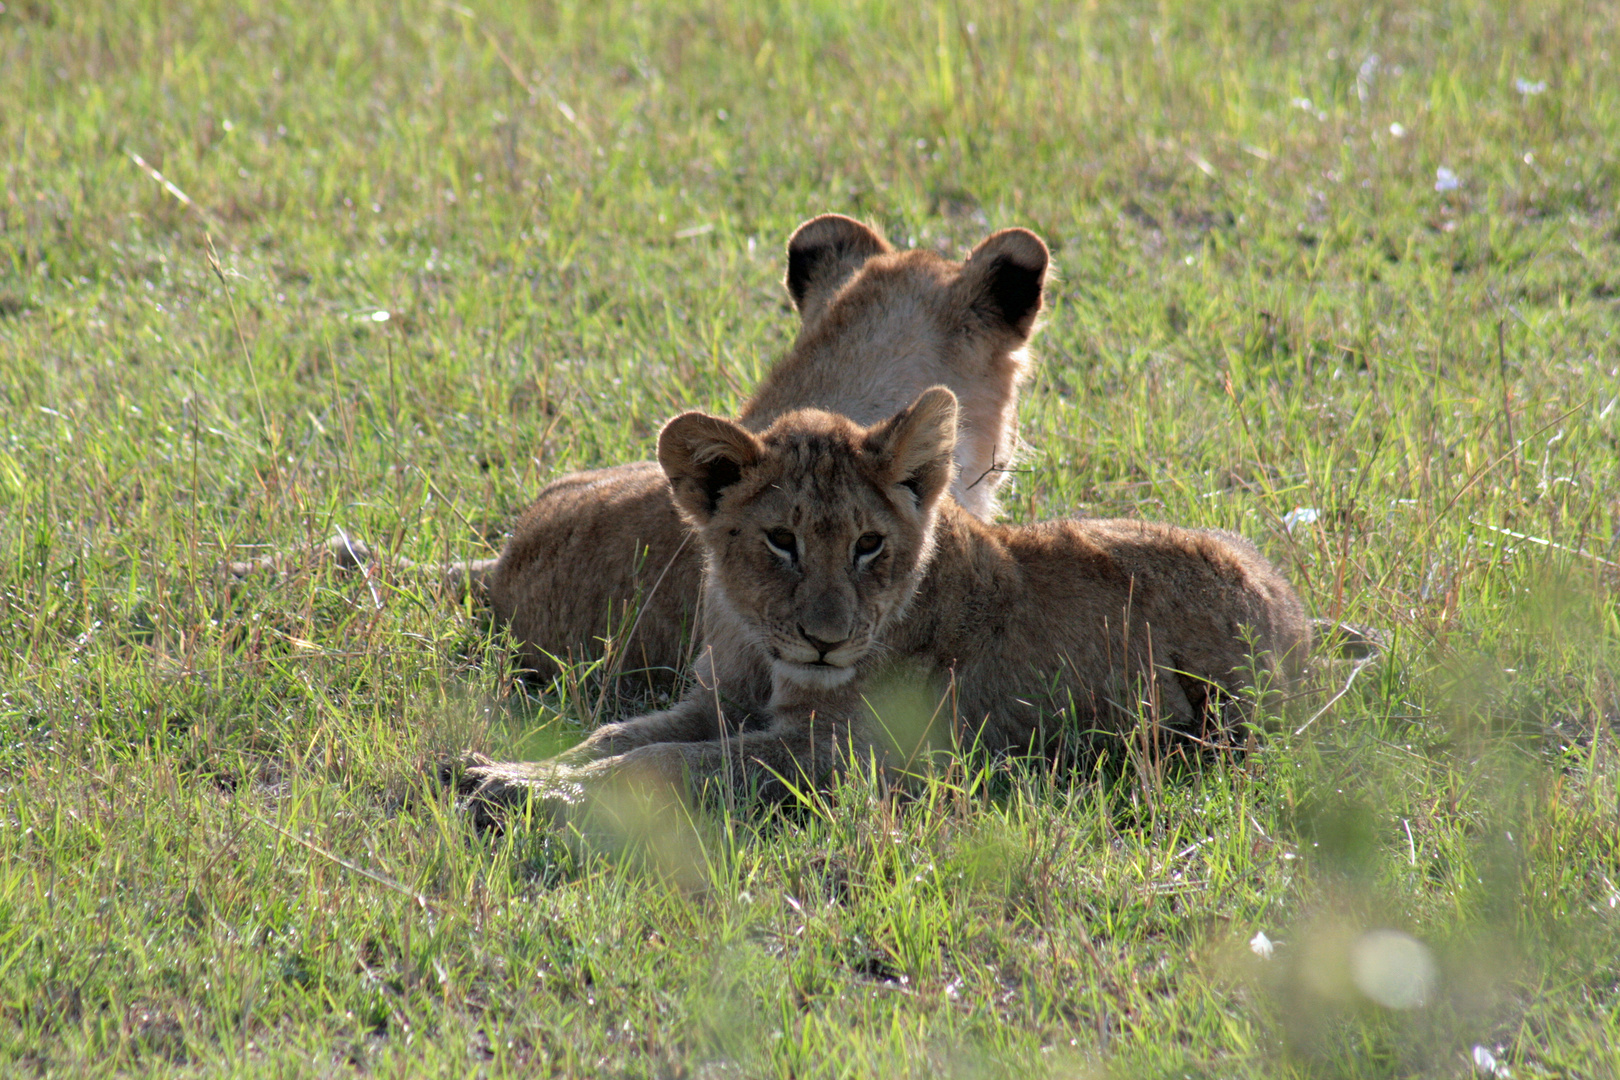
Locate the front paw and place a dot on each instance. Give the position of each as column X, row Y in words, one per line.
column 493, row 792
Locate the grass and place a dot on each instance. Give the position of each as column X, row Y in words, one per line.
column 220, row 846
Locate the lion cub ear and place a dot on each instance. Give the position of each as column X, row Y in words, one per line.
column 822, row 254
column 703, row 455
column 912, row 449
column 1004, row 278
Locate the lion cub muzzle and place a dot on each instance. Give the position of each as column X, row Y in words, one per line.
column 820, row 633
column 816, row 662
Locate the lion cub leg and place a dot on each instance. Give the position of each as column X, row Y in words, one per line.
column 682, row 750
column 696, row 718
column 808, row 737
column 703, row 714
column 794, row 753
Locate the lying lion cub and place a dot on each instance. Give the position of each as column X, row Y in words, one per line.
column 603, row 551
column 836, row 564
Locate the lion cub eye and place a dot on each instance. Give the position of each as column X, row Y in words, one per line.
column 783, row 543
column 868, row 546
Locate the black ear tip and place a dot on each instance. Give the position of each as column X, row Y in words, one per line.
column 801, row 269
column 1015, row 290
column 723, row 472
column 1014, row 264
column 823, row 245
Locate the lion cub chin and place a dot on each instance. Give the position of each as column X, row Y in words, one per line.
column 840, row 574
column 603, row 556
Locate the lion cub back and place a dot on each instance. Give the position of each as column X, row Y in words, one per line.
column 1085, row 629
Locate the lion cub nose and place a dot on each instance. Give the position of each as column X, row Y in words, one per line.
column 822, row 647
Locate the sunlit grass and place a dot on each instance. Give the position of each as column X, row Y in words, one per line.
column 222, row 846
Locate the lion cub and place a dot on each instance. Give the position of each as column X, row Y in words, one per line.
column 836, row 566
column 602, row 551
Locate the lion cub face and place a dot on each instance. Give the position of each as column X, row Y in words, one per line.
column 816, row 531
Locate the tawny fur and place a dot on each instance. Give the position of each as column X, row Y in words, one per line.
column 603, row 554
column 1026, row 638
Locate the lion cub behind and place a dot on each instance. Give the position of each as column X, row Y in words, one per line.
column 837, row 566
column 604, row 552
